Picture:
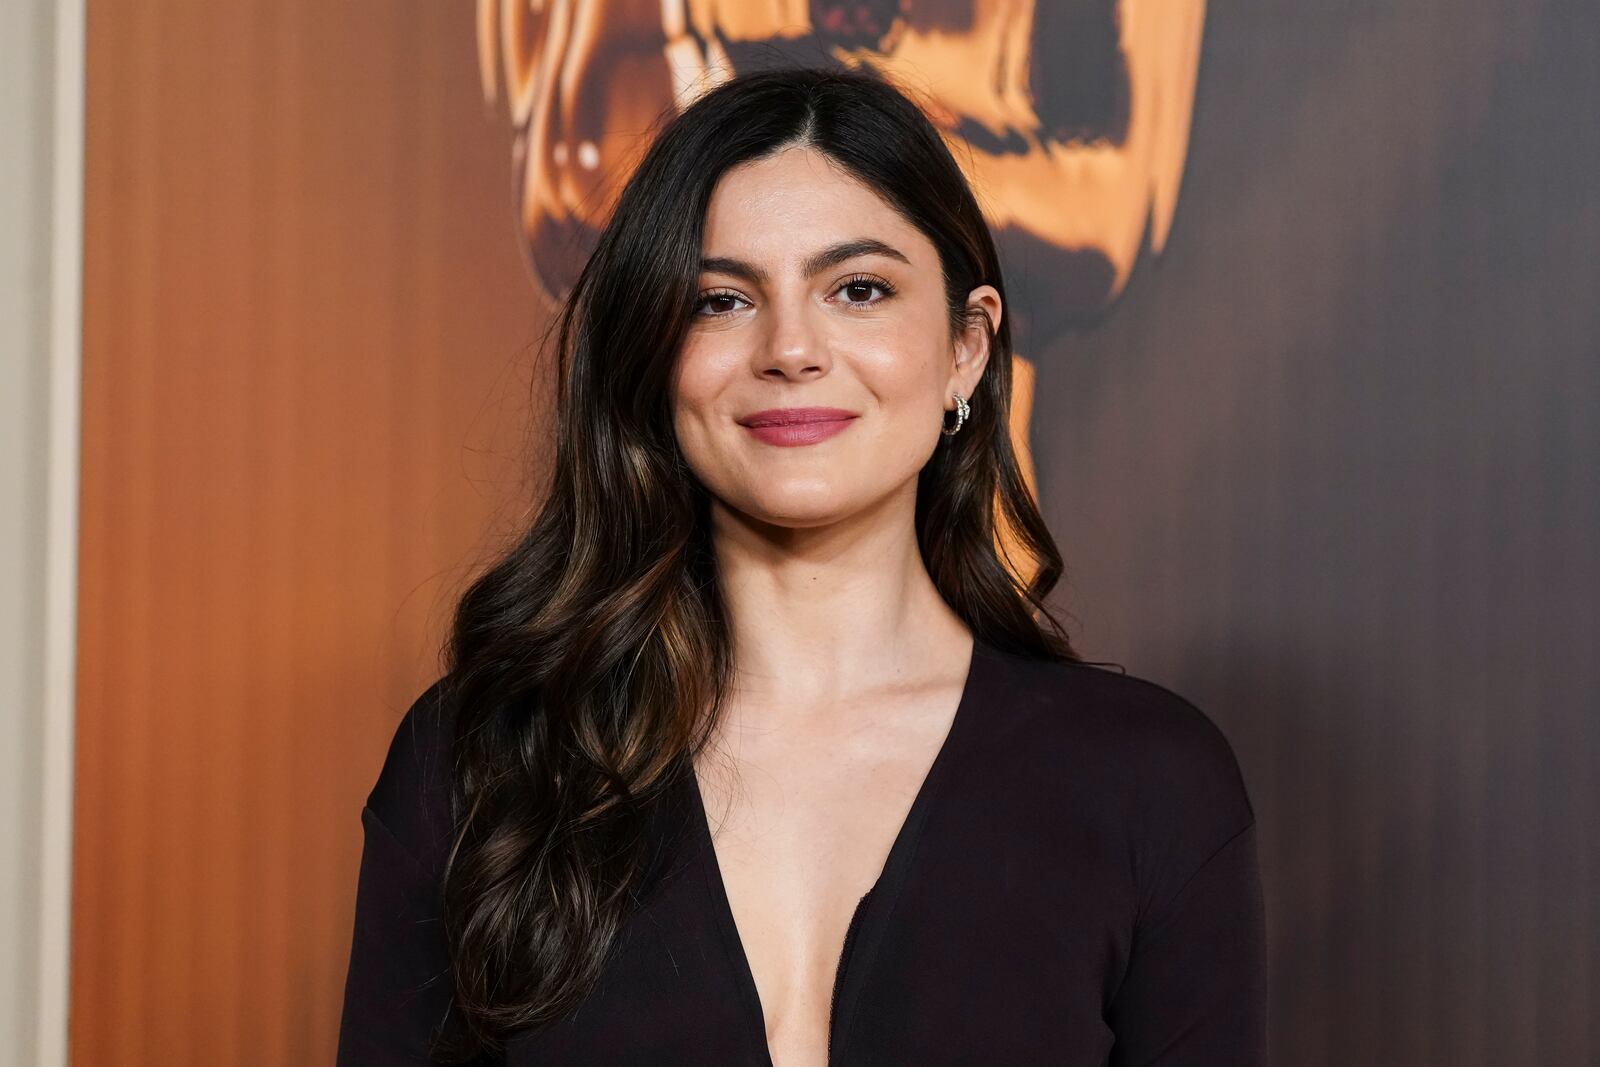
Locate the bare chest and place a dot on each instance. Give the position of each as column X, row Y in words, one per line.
column 801, row 830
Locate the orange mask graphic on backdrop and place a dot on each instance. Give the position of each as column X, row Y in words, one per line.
column 1070, row 118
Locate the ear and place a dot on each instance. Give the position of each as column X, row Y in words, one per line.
column 971, row 346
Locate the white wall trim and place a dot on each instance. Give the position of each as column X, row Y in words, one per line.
column 61, row 552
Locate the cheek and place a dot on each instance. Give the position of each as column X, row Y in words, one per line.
column 905, row 377
column 906, row 369
column 697, row 382
column 700, row 413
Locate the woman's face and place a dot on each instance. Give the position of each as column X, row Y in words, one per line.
column 816, row 294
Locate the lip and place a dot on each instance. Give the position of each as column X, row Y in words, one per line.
column 796, row 426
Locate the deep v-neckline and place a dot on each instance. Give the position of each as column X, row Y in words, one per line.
column 873, row 910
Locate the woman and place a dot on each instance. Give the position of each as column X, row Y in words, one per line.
column 755, row 749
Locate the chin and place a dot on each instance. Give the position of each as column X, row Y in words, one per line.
column 800, row 507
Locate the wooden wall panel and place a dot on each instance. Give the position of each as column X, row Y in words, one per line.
column 307, row 338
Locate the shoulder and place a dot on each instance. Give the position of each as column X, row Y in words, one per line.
column 1150, row 755
column 411, row 796
column 1157, row 732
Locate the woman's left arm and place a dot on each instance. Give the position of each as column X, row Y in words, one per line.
column 1195, row 993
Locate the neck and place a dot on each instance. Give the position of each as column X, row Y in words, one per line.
column 822, row 612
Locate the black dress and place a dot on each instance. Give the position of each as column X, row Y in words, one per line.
column 1076, row 883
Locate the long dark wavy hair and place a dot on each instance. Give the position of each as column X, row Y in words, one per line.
column 587, row 665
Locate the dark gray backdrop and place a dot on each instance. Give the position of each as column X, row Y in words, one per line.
column 1329, row 469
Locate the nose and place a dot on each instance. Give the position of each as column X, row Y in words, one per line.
column 794, row 348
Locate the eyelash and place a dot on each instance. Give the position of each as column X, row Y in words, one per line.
column 851, row 282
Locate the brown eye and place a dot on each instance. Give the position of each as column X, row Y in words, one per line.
column 721, row 299
column 858, row 291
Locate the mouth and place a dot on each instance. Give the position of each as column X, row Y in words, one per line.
column 787, row 427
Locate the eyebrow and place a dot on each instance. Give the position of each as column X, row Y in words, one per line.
column 815, row 264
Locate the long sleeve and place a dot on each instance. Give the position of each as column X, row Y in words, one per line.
column 1194, row 992
column 398, row 986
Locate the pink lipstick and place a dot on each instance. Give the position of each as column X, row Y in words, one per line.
column 796, row 426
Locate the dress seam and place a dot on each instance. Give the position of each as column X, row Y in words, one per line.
column 1142, row 935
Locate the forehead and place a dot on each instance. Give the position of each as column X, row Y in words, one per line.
column 787, row 205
